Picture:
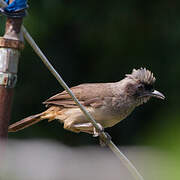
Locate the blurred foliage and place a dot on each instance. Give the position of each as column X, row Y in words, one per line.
column 94, row 41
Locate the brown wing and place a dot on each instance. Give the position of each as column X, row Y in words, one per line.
column 87, row 94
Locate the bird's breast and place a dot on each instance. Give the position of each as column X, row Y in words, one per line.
column 109, row 116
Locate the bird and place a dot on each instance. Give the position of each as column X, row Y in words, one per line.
column 108, row 103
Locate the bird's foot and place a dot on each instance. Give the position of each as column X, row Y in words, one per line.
column 98, row 133
column 103, row 141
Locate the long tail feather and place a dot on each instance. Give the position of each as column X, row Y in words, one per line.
column 24, row 123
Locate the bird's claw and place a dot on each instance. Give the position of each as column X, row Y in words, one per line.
column 103, row 141
column 98, row 133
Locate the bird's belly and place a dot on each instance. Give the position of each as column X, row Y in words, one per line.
column 110, row 118
column 109, row 121
column 106, row 117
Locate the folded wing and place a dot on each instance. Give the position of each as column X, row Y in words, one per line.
column 88, row 95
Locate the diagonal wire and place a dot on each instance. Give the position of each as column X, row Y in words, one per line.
column 109, row 143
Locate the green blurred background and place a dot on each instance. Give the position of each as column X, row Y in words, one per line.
column 101, row 41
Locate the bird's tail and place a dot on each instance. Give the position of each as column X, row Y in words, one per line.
column 24, row 123
column 49, row 114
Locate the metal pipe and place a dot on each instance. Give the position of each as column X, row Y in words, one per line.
column 10, row 44
column 8, row 76
column 5, row 110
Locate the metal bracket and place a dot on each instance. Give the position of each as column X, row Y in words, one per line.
column 8, row 79
column 11, row 43
column 8, row 67
column 18, row 14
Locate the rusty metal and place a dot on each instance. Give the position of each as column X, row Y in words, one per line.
column 6, row 95
column 14, row 23
column 8, row 79
column 13, row 29
column 10, row 44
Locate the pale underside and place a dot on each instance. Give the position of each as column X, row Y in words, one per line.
column 74, row 119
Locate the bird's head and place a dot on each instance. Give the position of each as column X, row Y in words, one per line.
column 141, row 85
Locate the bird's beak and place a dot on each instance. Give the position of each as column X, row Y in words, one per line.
column 156, row 94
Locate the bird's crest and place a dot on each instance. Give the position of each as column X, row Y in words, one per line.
column 143, row 75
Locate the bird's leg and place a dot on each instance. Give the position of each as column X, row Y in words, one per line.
column 84, row 127
column 69, row 125
column 102, row 141
column 89, row 128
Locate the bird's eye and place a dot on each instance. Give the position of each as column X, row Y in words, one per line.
column 141, row 87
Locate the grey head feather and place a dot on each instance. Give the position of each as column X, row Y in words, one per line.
column 142, row 75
